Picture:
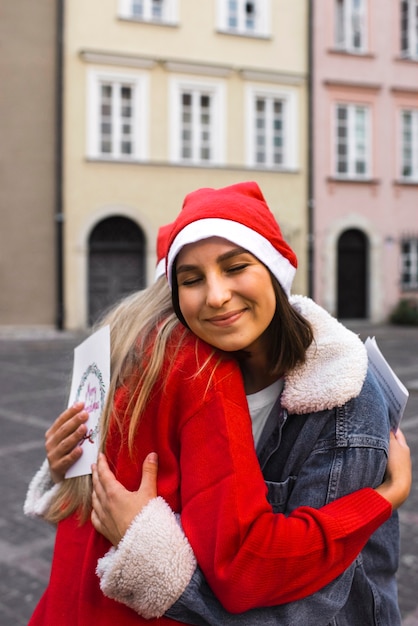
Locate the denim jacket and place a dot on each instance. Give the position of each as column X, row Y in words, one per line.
column 335, row 451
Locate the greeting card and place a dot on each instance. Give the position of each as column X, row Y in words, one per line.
column 90, row 384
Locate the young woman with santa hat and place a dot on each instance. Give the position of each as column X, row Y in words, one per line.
column 233, row 294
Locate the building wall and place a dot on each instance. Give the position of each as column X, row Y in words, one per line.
column 27, row 119
column 383, row 207
column 150, row 191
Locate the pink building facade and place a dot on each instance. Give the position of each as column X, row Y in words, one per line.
column 365, row 155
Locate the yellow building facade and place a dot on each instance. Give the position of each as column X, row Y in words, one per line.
column 163, row 97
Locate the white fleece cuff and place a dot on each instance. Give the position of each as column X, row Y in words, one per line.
column 152, row 565
column 40, row 493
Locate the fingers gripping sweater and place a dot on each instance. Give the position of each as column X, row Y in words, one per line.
column 269, row 558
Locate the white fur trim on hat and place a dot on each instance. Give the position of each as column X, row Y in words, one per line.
column 239, row 234
column 159, row 270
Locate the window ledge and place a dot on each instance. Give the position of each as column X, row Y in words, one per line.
column 405, row 59
column 351, row 53
column 404, row 90
column 349, row 83
column 361, row 181
column 139, row 20
column 247, row 35
column 101, row 158
column 406, row 183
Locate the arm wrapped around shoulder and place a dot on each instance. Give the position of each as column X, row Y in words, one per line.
column 152, row 565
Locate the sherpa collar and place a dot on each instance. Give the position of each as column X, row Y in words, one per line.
column 335, row 367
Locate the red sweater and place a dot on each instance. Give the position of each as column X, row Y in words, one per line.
column 208, row 470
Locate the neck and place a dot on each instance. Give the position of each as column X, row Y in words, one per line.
column 255, row 374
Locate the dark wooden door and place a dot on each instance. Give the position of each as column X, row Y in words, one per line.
column 352, row 275
column 116, row 263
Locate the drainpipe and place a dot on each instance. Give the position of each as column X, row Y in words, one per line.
column 59, row 215
column 311, row 201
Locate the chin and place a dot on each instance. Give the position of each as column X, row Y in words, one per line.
column 227, row 347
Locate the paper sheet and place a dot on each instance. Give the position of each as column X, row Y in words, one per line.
column 90, row 384
column 394, row 390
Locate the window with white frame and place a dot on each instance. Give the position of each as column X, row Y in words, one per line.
column 351, row 25
column 197, row 122
column 272, row 129
column 409, row 144
column 117, row 116
column 352, row 141
column 159, row 11
column 244, row 17
column 409, row 263
column 409, row 28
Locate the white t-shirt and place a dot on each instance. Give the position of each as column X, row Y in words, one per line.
column 260, row 405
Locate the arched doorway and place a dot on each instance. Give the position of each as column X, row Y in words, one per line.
column 352, row 275
column 116, row 265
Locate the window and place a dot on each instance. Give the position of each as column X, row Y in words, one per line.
column 352, row 146
column 244, row 17
column 116, row 116
column 197, row 123
column 272, row 125
column 409, row 145
column 350, row 25
column 409, row 263
column 160, row 11
column 409, row 28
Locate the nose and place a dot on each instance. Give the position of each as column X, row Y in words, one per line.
column 217, row 291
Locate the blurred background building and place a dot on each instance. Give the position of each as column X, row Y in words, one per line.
column 114, row 110
column 365, row 155
column 28, row 135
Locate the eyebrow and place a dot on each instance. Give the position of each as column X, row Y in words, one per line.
column 222, row 257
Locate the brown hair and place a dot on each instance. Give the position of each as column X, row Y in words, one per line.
column 289, row 334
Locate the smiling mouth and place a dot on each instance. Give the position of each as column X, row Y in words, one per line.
column 226, row 319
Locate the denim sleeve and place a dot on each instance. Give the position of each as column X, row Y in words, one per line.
column 198, row 605
column 350, row 453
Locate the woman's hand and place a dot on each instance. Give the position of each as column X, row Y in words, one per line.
column 114, row 507
column 61, row 440
column 398, row 478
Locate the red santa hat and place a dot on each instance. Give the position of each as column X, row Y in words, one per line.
column 162, row 246
column 240, row 214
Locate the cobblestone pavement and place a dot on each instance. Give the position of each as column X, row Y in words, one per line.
column 35, row 373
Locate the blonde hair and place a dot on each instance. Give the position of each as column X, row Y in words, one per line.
column 131, row 321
